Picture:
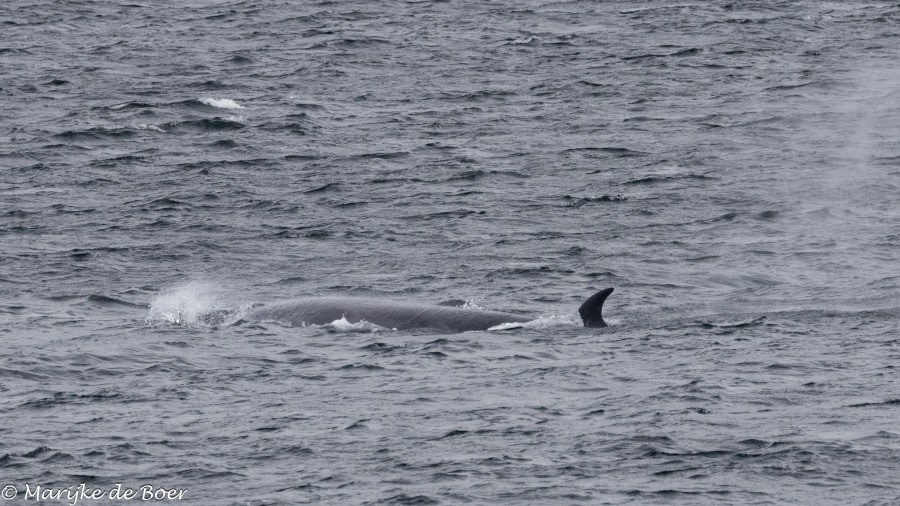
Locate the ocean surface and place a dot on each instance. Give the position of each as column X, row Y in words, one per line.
column 732, row 169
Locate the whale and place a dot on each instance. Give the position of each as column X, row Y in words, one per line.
column 406, row 315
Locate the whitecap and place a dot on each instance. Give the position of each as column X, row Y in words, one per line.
column 144, row 126
column 221, row 103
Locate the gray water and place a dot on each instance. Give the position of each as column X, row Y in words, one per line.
column 732, row 169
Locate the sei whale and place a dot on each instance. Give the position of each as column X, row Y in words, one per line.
column 406, row 316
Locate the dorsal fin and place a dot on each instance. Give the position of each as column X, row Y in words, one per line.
column 592, row 310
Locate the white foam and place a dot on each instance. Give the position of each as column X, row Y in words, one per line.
column 476, row 303
column 145, row 126
column 507, row 326
column 221, row 103
column 185, row 304
column 344, row 325
column 544, row 322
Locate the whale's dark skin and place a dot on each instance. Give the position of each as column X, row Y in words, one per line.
column 406, row 316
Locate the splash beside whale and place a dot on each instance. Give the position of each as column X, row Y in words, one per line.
column 406, row 316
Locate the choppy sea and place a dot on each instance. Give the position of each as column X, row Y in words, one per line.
column 732, row 169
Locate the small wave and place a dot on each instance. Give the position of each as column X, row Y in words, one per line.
column 388, row 155
column 524, row 40
column 105, row 300
column 205, row 125
column 787, row 87
column 95, row 133
column 210, row 84
column 163, row 204
column 224, row 144
column 616, row 151
column 305, row 105
column 153, row 128
column 737, row 325
column 642, row 119
column 890, row 402
column 18, row 374
column 131, row 105
column 456, row 214
column 221, row 103
column 580, row 201
column 239, row 60
column 468, row 175
column 684, row 52
column 323, row 188
column 362, row 41
column 37, row 452
column 667, row 178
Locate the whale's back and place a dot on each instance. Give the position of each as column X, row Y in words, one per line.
column 392, row 315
